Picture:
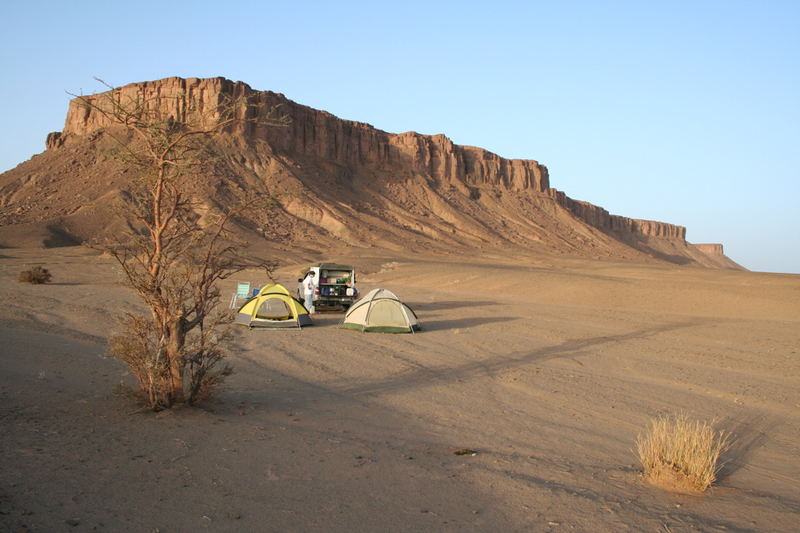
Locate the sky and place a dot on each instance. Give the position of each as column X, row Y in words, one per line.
column 685, row 112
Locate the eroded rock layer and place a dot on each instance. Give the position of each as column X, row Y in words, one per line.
column 334, row 181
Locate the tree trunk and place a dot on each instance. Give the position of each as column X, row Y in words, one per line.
column 174, row 351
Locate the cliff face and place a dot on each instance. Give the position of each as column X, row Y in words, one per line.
column 712, row 249
column 713, row 254
column 602, row 219
column 345, row 180
column 319, row 134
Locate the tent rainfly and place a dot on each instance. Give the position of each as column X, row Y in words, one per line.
column 273, row 307
column 380, row 310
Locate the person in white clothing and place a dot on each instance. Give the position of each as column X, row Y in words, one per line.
column 309, row 288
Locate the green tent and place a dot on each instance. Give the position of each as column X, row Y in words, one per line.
column 381, row 311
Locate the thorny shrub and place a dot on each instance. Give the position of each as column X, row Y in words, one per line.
column 35, row 275
column 139, row 347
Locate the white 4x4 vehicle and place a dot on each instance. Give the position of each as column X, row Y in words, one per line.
column 336, row 285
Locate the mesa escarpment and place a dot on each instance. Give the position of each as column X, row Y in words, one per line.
column 714, row 249
column 334, row 181
column 319, row 134
column 600, row 218
column 714, row 254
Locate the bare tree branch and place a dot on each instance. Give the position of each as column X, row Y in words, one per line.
column 173, row 264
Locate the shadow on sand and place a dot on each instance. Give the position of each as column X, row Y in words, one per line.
column 747, row 435
column 455, row 304
column 428, row 376
column 462, row 323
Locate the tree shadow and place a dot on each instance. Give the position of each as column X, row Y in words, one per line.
column 429, row 376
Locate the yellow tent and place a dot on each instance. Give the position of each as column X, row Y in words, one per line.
column 273, row 307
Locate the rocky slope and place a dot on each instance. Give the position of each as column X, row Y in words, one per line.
column 335, row 183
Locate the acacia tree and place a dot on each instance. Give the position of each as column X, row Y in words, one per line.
column 172, row 257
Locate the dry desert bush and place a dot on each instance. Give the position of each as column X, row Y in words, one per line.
column 35, row 275
column 681, row 454
column 173, row 255
column 138, row 347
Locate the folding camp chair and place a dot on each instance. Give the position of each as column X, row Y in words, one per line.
column 242, row 293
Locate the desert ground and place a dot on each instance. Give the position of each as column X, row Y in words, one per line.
column 546, row 367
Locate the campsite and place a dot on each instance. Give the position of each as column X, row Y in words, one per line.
column 328, row 429
column 364, row 267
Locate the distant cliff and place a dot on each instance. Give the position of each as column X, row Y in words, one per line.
column 349, row 179
column 602, row 219
column 715, row 256
column 710, row 249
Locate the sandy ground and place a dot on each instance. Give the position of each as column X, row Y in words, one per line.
column 548, row 368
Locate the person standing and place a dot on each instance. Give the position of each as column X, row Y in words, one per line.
column 309, row 288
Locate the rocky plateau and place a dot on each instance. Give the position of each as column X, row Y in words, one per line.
column 334, row 184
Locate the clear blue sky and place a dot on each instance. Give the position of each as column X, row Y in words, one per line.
column 685, row 112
